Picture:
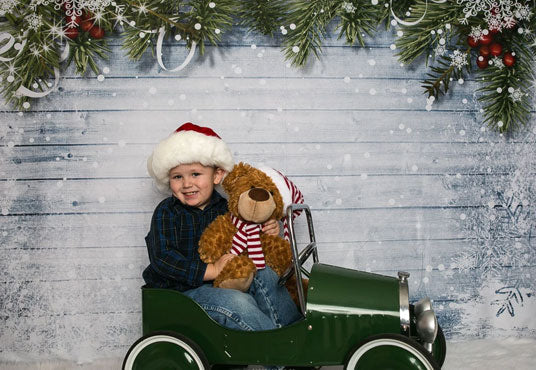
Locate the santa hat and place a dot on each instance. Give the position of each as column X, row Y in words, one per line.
column 188, row 144
column 289, row 192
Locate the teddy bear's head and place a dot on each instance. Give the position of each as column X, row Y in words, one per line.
column 252, row 194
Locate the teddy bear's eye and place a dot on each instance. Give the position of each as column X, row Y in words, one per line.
column 252, row 187
column 272, row 193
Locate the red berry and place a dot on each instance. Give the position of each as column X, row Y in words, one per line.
column 86, row 25
column 87, row 15
column 484, row 51
column 509, row 59
column 472, row 42
column 73, row 18
column 486, row 39
column 482, row 62
column 493, row 31
column 96, row 32
column 71, row 32
column 495, row 49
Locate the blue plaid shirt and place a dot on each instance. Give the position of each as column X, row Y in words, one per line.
column 172, row 243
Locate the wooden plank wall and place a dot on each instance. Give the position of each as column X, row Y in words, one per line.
column 392, row 186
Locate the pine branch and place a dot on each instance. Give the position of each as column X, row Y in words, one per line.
column 357, row 18
column 311, row 19
column 263, row 16
column 438, row 80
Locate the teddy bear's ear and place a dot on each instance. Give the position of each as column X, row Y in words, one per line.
column 238, row 171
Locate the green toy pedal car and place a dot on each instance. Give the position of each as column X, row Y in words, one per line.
column 357, row 319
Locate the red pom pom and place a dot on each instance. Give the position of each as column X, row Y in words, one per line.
column 71, row 32
column 482, row 62
column 509, row 59
column 484, row 51
column 495, row 49
column 486, row 39
column 96, row 32
column 472, row 42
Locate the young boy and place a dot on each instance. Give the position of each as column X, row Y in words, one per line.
column 190, row 163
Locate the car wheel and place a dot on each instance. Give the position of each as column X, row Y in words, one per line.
column 390, row 351
column 165, row 350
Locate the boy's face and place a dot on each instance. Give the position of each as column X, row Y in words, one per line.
column 193, row 184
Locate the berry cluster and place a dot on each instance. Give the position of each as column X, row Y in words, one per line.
column 488, row 48
column 84, row 23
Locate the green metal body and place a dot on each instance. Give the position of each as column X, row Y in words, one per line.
column 344, row 307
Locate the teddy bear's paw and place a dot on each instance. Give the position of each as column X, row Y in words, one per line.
column 241, row 284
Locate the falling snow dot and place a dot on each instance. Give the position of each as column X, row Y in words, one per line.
column 338, row 201
column 393, row 23
column 511, row 89
column 106, row 70
column 197, row 26
column 404, row 91
column 391, row 202
column 500, row 123
column 499, row 90
column 461, row 81
column 463, row 216
column 366, row 155
column 418, row 225
column 4, row 233
column 102, row 199
column 100, row 78
column 425, row 280
column 374, row 2
column 217, row 31
column 392, row 46
column 31, row 140
column 212, row 4
column 371, row 62
column 26, row 105
column 414, row 168
column 295, row 49
column 292, row 26
column 171, row 101
column 59, row 184
column 152, row 90
column 10, row 78
column 254, row 46
column 464, row 101
column 364, row 176
column 462, row 132
column 356, row 90
column 262, row 81
column 409, row 100
column 182, row 97
column 284, row 31
column 5, row 211
column 408, row 130
column 329, row 166
column 347, row 79
column 372, row 91
column 401, row 126
column 428, row 107
column 399, row 33
column 10, row 144
column 429, row 268
column 35, row 85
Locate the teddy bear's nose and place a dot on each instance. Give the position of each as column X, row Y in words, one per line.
column 259, row 195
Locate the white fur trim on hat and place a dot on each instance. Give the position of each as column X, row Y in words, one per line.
column 188, row 144
column 279, row 182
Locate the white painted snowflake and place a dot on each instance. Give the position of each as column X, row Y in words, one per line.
column 440, row 50
column 458, row 59
column 516, row 95
column 348, row 7
column 35, row 21
column 7, row 6
column 497, row 13
column 523, row 12
column 497, row 62
column 476, row 32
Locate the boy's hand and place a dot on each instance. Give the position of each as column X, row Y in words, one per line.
column 271, row 227
column 214, row 269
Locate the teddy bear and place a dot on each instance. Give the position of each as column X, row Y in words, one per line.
column 254, row 198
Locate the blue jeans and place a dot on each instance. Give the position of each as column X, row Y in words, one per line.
column 264, row 306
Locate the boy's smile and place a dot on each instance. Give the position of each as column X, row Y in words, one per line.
column 192, row 184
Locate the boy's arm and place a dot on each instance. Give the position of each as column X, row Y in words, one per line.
column 171, row 255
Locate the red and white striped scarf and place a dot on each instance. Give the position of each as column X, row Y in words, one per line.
column 248, row 237
column 296, row 197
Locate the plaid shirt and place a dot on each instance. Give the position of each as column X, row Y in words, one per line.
column 172, row 243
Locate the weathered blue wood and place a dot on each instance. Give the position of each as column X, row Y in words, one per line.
column 392, row 185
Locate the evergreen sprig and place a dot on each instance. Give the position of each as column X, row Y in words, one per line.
column 262, row 16
column 310, row 18
column 358, row 18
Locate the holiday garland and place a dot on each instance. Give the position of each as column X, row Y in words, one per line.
column 492, row 40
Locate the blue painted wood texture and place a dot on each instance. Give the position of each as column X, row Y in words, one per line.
column 392, row 186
